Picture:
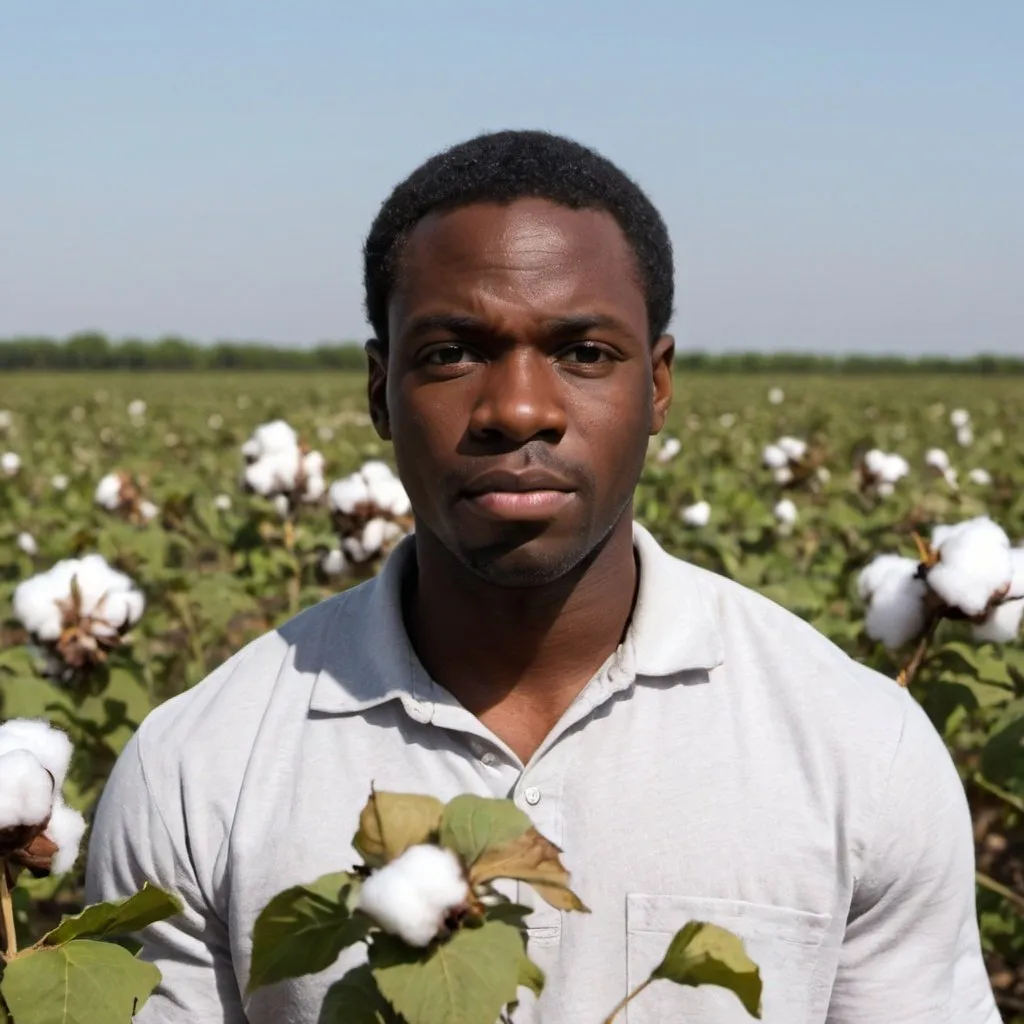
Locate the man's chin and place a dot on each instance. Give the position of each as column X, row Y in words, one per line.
column 533, row 562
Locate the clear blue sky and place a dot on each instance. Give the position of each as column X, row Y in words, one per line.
column 836, row 176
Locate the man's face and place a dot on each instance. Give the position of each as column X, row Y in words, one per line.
column 520, row 386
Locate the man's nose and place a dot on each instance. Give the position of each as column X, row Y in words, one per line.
column 521, row 399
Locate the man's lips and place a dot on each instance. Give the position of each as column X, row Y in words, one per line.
column 532, row 494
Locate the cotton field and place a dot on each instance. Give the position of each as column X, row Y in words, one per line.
column 153, row 524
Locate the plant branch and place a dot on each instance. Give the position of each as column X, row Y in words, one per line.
column 987, row 882
column 625, row 1002
column 7, row 911
column 990, row 787
column 910, row 670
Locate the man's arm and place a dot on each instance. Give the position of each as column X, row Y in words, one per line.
column 911, row 953
column 137, row 837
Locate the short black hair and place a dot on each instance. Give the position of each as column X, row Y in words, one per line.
column 501, row 167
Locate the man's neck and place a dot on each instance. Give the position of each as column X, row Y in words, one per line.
column 518, row 657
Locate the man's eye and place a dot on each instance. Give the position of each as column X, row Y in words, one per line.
column 587, row 353
column 447, row 355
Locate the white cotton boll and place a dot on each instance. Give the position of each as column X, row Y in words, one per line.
column 275, row 438
column 697, row 514
column 392, row 532
column 794, row 448
column 282, row 506
column 980, row 477
column 314, row 488
column 786, row 512
column 885, row 489
column 411, row 896
column 894, row 468
column 347, row 494
column 10, row 463
column 936, row 459
column 874, row 462
column 222, row 503
column 669, row 450
column 26, row 790
column 108, row 492
column 313, row 464
column 373, row 535
column 390, row 496
column 974, row 565
column 959, row 418
column 952, row 477
column 35, row 606
column 50, row 747
column 148, row 510
column 333, row 563
column 59, row 482
column 137, row 408
column 877, row 571
column 6, row 419
column 120, row 609
column 216, row 421
column 824, row 474
column 251, row 450
column 325, row 433
column 65, row 829
column 965, row 437
column 783, row 475
column 897, row 612
column 261, row 477
column 95, row 580
column 727, row 420
column 776, row 396
column 1017, row 577
column 27, row 543
column 1002, row 624
column 375, row 470
column 774, row 457
column 354, row 550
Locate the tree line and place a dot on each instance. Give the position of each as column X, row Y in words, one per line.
column 95, row 351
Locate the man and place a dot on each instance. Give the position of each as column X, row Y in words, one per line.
column 695, row 750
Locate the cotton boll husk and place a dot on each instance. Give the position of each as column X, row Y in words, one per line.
column 108, row 492
column 774, row 457
column 897, row 612
column 375, row 470
column 974, row 565
column 121, row 608
column 697, row 514
column 411, row 896
column 50, row 747
column 275, row 438
column 877, row 571
column 65, row 829
column 347, row 494
column 26, row 790
column 27, row 543
column 1002, row 624
column 35, row 606
column 794, row 448
column 390, row 496
column 333, row 563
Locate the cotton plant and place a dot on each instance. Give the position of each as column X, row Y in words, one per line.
column 966, row 572
column 74, row 965
column 792, row 462
column 281, row 468
column 668, row 450
column 960, row 421
column 371, row 512
column 696, row 515
column 442, row 942
column 939, row 464
column 881, row 471
column 79, row 611
column 119, row 493
column 10, row 464
column 27, row 544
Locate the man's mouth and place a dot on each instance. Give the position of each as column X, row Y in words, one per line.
column 531, row 494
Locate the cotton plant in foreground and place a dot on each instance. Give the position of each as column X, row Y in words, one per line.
column 79, row 611
column 75, row 964
column 968, row 572
column 443, row 943
column 371, row 513
column 118, row 492
column 281, row 468
column 880, row 472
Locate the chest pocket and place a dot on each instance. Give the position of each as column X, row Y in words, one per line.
column 789, row 946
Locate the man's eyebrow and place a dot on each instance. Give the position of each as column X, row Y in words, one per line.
column 446, row 322
column 557, row 327
column 570, row 325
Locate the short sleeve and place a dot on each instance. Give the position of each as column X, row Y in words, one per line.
column 139, row 835
column 911, row 952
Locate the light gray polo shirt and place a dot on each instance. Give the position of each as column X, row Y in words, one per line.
column 727, row 763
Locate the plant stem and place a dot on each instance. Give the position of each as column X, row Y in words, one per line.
column 7, row 911
column 990, row 787
column 294, row 581
column 987, row 882
column 910, row 670
column 625, row 1002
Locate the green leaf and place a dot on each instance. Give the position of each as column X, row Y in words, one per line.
column 530, row 975
column 303, row 929
column 392, row 822
column 471, row 825
column 1002, row 759
column 80, row 982
column 705, row 954
column 133, row 914
column 356, row 999
column 467, row 979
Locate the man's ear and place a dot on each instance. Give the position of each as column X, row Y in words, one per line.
column 377, row 387
column 662, row 353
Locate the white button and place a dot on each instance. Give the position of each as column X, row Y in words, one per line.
column 491, row 760
column 532, row 795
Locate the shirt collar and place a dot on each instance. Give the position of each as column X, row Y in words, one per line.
column 367, row 658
